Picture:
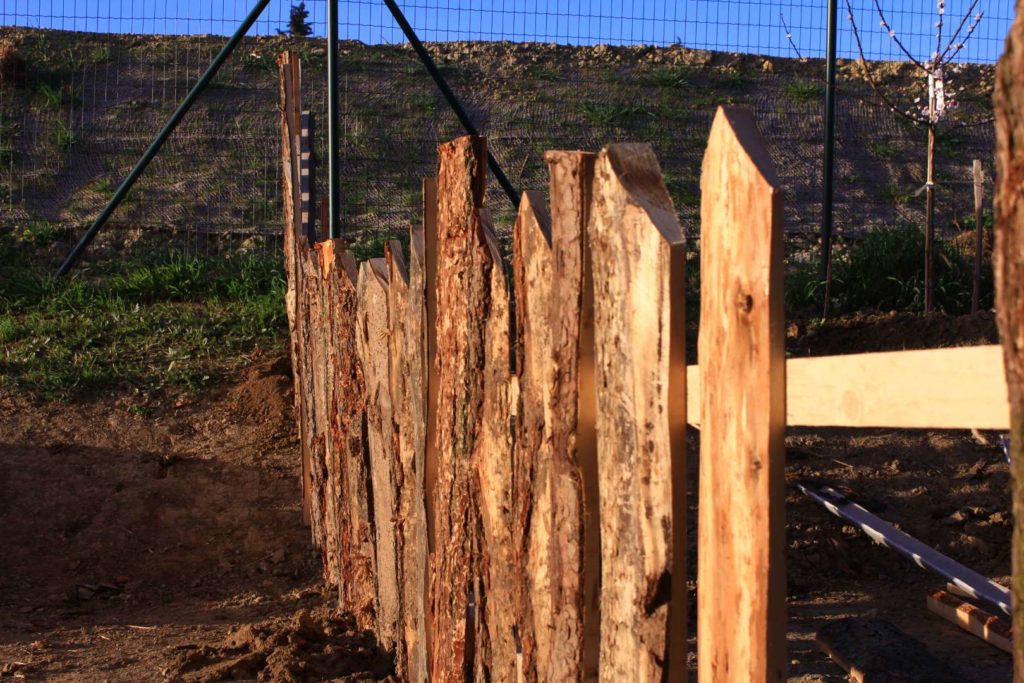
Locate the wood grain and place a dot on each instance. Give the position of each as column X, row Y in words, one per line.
column 407, row 340
column 372, row 337
column 463, row 284
column 634, row 234
column 1008, row 265
column 956, row 388
column 741, row 572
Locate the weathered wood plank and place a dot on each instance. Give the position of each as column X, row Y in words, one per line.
column 429, row 273
column 407, row 311
column 372, row 337
column 1008, row 264
column 296, row 247
column 463, row 283
column 741, row 572
column 496, row 655
column 992, row 629
column 635, row 233
column 956, row 388
column 345, row 449
column 549, row 255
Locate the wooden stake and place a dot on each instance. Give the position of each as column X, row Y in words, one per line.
column 741, row 623
column 633, row 243
column 406, row 336
column 1008, row 264
column 463, row 283
column 296, row 246
column 549, row 482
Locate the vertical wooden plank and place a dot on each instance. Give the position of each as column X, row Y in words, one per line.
column 295, row 248
column 429, row 274
column 496, row 650
column 407, row 311
column 372, row 322
column 462, row 289
column 549, row 253
column 1008, row 264
column 741, row 623
column 634, row 233
column 347, row 479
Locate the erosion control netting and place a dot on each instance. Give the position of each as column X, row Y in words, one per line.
column 89, row 103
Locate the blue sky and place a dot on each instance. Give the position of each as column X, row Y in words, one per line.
column 731, row 25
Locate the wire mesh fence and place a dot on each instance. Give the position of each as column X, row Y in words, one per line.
column 101, row 76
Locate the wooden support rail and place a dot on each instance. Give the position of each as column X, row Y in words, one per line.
column 955, row 388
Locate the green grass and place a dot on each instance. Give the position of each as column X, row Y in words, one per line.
column 673, row 76
column 885, row 271
column 804, row 91
column 167, row 323
column 612, row 113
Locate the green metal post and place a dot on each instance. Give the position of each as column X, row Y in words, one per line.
column 830, row 134
column 333, row 161
column 161, row 138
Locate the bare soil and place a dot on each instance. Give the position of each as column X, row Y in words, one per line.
column 170, row 546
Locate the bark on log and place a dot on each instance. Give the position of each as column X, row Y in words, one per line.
column 463, row 284
column 372, row 322
column 496, row 651
column 350, row 529
column 296, row 248
column 635, row 237
column 741, row 605
column 549, row 500
column 1008, row 264
column 406, row 310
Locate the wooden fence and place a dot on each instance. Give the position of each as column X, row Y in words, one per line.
column 496, row 475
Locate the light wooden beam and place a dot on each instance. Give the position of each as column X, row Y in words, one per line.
column 636, row 245
column 741, row 602
column 955, row 388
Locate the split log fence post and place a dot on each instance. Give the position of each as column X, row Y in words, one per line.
column 741, row 601
column 638, row 257
column 1008, row 264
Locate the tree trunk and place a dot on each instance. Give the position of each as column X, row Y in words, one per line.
column 1008, row 257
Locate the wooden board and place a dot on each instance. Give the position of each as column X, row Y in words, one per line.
column 955, row 388
column 496, row 656
column 1008, row 266
column 407, row 340
column 634, row 234
column 296, row 247
column 741, row 573
column 372, row 336
column 350, row 531
column 992, row 629
column 462, row 289
column 549, row 505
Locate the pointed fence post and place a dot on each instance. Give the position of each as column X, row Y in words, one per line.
column 741, row 626
column 638, row 256
column 1008, row 264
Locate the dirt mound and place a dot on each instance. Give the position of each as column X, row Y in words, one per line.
column 265, row 396
column 865, row 333
column 317, row 645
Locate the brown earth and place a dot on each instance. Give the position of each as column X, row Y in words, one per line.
column 165, row 547
column 169, row 546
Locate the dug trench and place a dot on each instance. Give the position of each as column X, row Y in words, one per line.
column 168, row 545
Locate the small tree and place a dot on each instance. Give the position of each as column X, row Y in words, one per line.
column 930, row 111
column 298, row 26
